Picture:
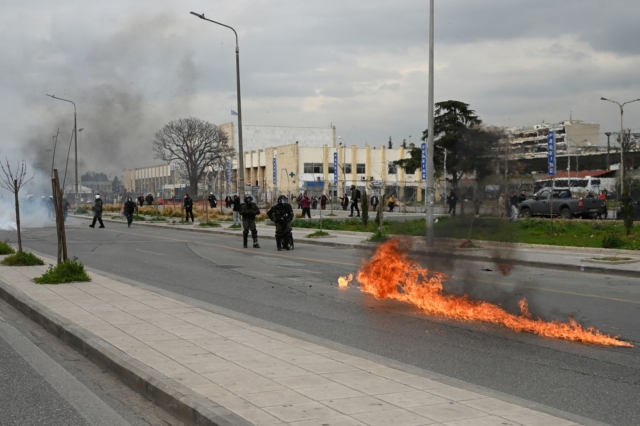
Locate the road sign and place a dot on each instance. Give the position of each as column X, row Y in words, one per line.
column 335, row 168
column 551, row 153
column 292, row 174
column 424, row 162
column 275, row 171
column 255, row 187
column 376, row 183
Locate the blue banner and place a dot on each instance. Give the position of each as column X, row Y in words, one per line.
column 229, row 174
column 551, row 153
column 335, row 168
column 275, row 171
column 424, row 161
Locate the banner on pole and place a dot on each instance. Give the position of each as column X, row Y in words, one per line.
column 229, row 174
column 275, row 171
column 424, row 161
column 335, row 168
column 551, row 153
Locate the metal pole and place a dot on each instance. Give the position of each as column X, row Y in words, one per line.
column 608, row 148
column 430, row 174
column 75, row 132
column 621, row 149
column 240, row 149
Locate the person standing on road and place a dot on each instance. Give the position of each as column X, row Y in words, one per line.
column 603, row 196
column 128, row 210
column 228, row 201
column 323, row 201
column 515, row 202
column 282, row 214
column 249, row 210
column 188, row 208
column 355, row 200
column 374, row 202
column 391, row 203
column 236, row 210
column 522, row 197
column 452, row 200
column 97, row 212
column 65, row 208
column 141, row 200
column 212, row 200
column 345, row 202
column 149, row 199
column 305, row 203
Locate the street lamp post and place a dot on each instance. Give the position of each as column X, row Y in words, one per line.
column 621, row 138
column 430, row 144
column 240, row 149
column 608, row 148
column 75, row 132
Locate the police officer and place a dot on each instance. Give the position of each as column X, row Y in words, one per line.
column 188, row 207
column 282, row 214
column 129, row 209
column 97, row 212
column 249, row 210
column 212, row 200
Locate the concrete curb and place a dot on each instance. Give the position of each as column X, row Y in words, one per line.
column 448, row 251
column 168, row 394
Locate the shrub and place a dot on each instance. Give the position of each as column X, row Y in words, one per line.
column 627, row 212
column 612, row 240
column 378, row 237
column 65, row 272
column 137, row 217
column 81, row 210
column 22, row 258
column 5, row 248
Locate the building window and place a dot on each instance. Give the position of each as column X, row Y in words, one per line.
column 331, row 171
column 392, row 169
column 312, row 167
column 361, row 168
column 347, row 168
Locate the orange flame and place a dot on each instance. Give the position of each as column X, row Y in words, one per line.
column 343, row 282
column 391, row 274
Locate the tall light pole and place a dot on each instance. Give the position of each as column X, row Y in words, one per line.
column 608, row 134
column 621, row 138
column 430, row 145
column 240, row 150
column 75, row 133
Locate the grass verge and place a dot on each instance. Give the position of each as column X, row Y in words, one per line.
column 317, row 234
column 22, row 258
column 81, row 210
column 5, row 248
column 210, row 224
column 378, row 237
column 66, row 272
column 235, row 226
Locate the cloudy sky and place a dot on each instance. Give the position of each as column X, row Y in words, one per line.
column 360, row 65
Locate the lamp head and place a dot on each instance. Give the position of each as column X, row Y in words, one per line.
column 199, row 15
column 604, row 99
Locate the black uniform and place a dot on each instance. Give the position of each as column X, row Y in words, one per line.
column 129, row 209
column 65, row 208
column 282, row 214
column 188, row 207
column 97, row 213
column 212, row 200
column 355, row 200
column 249, row 210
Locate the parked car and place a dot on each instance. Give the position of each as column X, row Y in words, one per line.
column 636, row 211
column 563, row 204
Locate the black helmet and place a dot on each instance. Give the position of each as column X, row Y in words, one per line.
column 283, row 200
column 248, row 199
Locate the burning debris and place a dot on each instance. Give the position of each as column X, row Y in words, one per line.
column 343, row 282
column 391, row 274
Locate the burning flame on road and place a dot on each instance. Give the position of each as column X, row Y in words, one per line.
column 343, row 282
column 391, row 274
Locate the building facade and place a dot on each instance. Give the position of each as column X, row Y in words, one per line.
column 571, row 135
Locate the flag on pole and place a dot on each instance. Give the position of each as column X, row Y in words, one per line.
column 233, row 112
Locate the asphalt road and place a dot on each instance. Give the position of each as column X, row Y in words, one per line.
column 298, row 290
column 44, row 382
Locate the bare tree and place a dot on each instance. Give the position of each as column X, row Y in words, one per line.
column 196, row 143
column 13, row 182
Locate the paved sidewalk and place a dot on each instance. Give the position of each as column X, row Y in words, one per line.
column 261, row 376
